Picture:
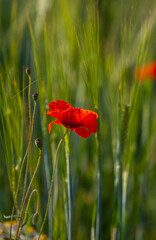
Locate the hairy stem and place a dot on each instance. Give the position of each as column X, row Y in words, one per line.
column 21, row 169
column 98, row 215
column 29, row 103
column 25, row 198
column 51, row 186
column 69, row 187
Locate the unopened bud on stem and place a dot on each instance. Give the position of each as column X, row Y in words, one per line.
column 35, row 96
column 38, row 143
column 28, row 70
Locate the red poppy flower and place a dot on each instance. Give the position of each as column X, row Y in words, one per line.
column 147, row 71
column 81, row 121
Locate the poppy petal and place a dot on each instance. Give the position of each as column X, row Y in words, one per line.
column 72, row 117
column 50, row 124
column 75, row 116
column 59, row 106
column 90, row 122
column 57, row 122
column 82, row 132
column 53, row 114
column 81, row 121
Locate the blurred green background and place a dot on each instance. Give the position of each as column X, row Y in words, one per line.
column 81, row 52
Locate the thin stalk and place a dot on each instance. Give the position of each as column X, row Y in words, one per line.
column 30, row 197
column 26, row 195
column 93, row 223
column 27, row 165
column 35, row 171
column 52, row 180
column 50, row 214
column 125, row 163
column 118, row 173
column 35, row 216
column 114, row 234
column 116, row 228
column 27, row 208
column 29, row 107
column 65, row 206
column 124, row 197
column 98, row 215
column 69, row 187
column 99, row 176
column 29, row 103
column 20, row 173
column 13, row 184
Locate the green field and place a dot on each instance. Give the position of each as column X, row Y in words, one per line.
column 88, row 54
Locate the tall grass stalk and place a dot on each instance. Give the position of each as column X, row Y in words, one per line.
column 52, row 180
column 93, row 223
column 89, row 49
column 37, row 204
column 29, row 102
column 12, row 137
column 45, row 86
column 129, row 124
column 116, row 229
column 126, row 117
column 29, row 110
column 19, row 228
column 21, row 168
column 99, row 178
column 125, row 166
column 118, row 171
column 69, row 187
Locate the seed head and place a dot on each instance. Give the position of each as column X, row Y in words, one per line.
column 35, row 96
column 38, row 143
column 28, row 70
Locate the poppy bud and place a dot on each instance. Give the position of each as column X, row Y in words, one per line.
column 28, row 70
column 38, row 143
column 35, row 96
column 35, row 218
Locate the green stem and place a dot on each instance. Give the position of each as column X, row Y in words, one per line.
column 124, row 197
column 93, row 222
column 30, row 197
column 25, row 198
column 114, row 234
column 35, row 171
column 118, row 173
column 69, row 187
column 116, row 229
column 20, row 173
column 52, row 180
column 29, row 103
column 14, row 185
column 26, row 172
column 99, row 176
column 31, row 130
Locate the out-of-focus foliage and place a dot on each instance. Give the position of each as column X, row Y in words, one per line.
column 57, row 39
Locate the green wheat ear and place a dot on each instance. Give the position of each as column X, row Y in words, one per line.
column 124, row 125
